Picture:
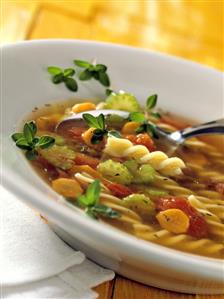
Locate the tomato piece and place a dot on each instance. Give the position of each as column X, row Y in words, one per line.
column 82, row 159
column 198, row 226
column 51, row 170
column 142, row 139
column 75, row 133
column 118, row 189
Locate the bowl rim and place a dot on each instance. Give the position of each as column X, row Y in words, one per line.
column 208, row 268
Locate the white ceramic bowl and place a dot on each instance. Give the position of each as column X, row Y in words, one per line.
column 186, row 88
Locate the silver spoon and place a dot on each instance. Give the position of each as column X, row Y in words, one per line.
column 169, row 141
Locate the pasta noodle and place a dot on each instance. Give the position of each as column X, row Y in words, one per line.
column 118, row 147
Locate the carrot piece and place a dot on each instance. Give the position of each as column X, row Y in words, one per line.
column 82, row 159
column 83, row 107
column 174, row 220
column 130, row 127
column 67, row 187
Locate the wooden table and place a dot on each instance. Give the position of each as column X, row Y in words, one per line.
column 185, row 28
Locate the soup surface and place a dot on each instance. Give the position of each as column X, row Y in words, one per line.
column 116, row 171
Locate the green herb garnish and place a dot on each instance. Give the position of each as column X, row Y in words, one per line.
column 148, row 128
column 98, row 72
column 59, row 75
column 151, row 101
column 90, row 201
column 28, row 141
column 100, row 131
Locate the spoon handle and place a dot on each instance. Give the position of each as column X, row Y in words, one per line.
column 212, row 127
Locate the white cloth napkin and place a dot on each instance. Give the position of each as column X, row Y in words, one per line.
column 35, row 263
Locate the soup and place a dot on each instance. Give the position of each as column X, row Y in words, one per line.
column 116, row 171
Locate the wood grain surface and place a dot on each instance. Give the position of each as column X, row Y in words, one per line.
column 190, row 29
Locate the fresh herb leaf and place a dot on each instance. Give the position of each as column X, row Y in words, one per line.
column 104, row 211
column 137, row 116
column 54, row 70
column 68, row 72
column 82, row 63
column 93, row 192
column 148, row 128
column 108, row 91
column 27, row 140
column 45, row 141
column 23, row 144
column 92, row 195
column 151, row 130
column 17, row 136
column 114, row 133
column 56, row 79
column 100, row 68
column 90, row 201
column 101, row 121
column 156, row 114
column 151, row 101
column 29, row 132
column 104, row 79
column 85, row 75
column 90, row 120
column 71, row 84
column 97, row 122
column 31, row 155
column 98, row 136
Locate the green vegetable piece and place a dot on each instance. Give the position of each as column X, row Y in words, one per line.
column 82, row 63
column 104, row 211
column 115, row 121
column 140, row 204
column 71, row 84
column 115, row 171
column 122, row 101
column 151, row 101
column 154, row 192
column 141, row 174
column 132, row 166
column 85, row 75
column 54, row 70
column 137, row 116
column 59, row 156
column 69, row 72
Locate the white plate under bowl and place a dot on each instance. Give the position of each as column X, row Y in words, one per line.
column 185, row 88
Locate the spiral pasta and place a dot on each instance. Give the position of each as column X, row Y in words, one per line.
column 118, row 147
column 130, row 221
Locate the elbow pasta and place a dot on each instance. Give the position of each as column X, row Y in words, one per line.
column 118, row 147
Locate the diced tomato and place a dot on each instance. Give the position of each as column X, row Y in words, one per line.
column 142, row 139
column 82, row 159
column 198, row 226
column 118, row 189
column 75, row 133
